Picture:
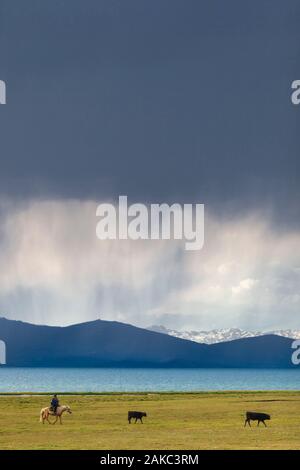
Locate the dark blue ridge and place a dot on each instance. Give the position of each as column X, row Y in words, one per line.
column 111, row 344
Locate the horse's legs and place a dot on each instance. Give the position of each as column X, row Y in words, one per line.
column 60, row 419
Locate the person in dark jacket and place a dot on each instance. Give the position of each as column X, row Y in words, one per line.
column 54, row 404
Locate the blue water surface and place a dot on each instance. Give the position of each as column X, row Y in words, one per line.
column 127, row 380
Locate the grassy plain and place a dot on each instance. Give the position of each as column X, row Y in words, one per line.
column 175, row 421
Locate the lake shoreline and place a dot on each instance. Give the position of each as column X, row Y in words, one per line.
column 150, row 393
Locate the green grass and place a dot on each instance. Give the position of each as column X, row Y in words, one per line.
column 175, row 421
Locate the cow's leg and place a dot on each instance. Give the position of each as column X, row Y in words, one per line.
column 136, row 420
column 258, row 422
column 129, row 420
column 246, row 421
column 265, row 424
column 142, row 420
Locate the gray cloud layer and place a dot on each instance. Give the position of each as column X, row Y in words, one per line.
column 55, row 270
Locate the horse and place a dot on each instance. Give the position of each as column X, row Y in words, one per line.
column 46, row 412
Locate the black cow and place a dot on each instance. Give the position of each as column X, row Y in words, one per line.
column 259, row 417
column 136, row 415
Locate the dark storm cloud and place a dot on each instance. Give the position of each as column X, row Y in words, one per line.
column 159, row 100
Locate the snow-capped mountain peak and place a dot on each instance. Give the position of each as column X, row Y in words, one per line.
column 221, row 335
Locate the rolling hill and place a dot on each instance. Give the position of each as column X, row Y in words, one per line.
column 111, row 344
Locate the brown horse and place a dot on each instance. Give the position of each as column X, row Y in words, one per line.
column 46, row 412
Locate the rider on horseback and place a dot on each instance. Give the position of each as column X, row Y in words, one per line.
column 54, row 404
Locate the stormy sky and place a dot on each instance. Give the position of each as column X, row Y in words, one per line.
column 163, row 101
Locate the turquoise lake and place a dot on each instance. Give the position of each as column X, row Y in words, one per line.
column 127, row 380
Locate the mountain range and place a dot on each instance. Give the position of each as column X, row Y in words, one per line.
column 221, row 335
column 112, row 344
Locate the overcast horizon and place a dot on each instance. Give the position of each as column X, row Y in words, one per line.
column 165, row 102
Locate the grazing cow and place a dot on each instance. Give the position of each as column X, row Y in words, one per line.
column 136, row 415
column 259, row 417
